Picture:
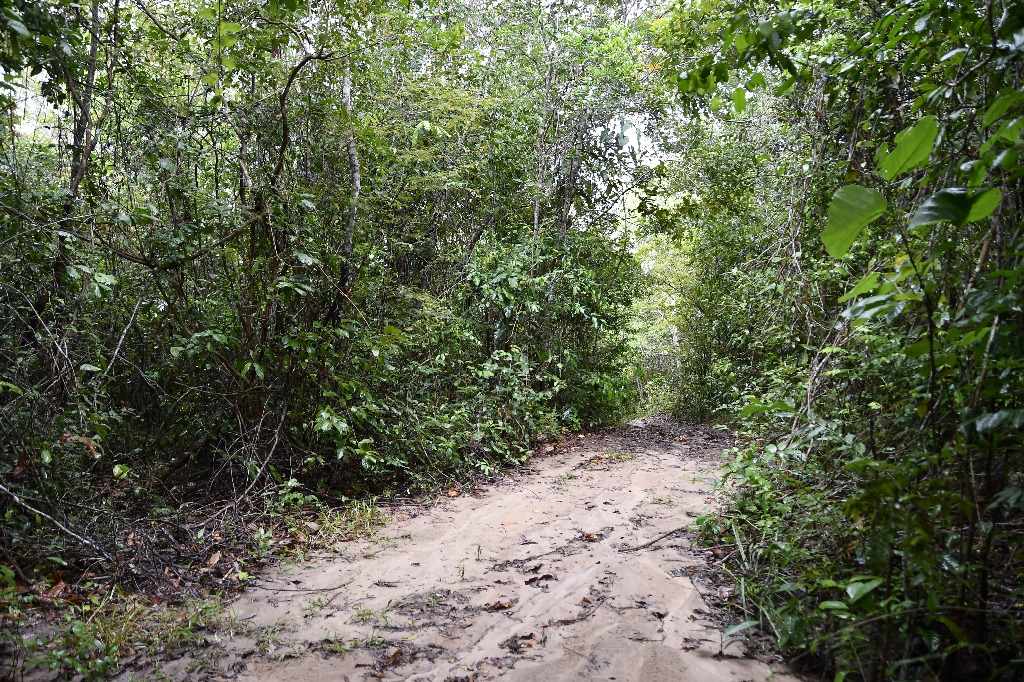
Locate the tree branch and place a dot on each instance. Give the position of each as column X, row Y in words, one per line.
column 283, row 99
column 57, row 524
column 168, row 32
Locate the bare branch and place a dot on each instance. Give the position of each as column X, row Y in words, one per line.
column 57, row 524
column 168, row 32
column 283, row 99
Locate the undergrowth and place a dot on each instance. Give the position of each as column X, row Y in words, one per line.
column 93, row 626
column 844, row 289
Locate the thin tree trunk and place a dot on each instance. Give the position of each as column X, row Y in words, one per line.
column 540, row 191
column 353, row 163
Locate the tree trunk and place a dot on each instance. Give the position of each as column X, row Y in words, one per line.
column 353, row 162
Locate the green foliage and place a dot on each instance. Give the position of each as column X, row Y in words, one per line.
column 875, row 500
column 268, row 253
column 913, row 147
column 852, row 209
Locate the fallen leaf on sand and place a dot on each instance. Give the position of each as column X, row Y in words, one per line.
column 498, row 606
column 537, row 580
column 516, row 643
column 394, row 659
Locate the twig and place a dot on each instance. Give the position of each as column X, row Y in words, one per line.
column 15, row 566
column 121, row 341
column 306, row 589
column 266, row 460
column 61, row 527
column 283, row 106
column 589, row 658
column 179, row 261
column 152, row 17
column 256, row 477
column 660, row 537
column 587, row 613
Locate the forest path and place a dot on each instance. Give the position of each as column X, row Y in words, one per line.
column 521, row 580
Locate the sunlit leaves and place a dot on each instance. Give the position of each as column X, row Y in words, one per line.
column 857, row 590
column 739, row 100
column 731, row 44
column 913, row 147
column 853, row 208
column 865, row 285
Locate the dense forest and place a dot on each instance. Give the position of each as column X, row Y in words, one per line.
column 262, row 257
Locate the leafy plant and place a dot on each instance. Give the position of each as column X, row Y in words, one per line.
column 862, row 286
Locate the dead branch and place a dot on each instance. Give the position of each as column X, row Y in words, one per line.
column 55, row 523
column 655, row 540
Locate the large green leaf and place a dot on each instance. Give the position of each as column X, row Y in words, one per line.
column 957, row 205
column 856, row 590
column 946, row 206
column 853, row 208
column 19, row 28
column 868, row 283
column 1007, row 99
column 913, row 146
column 984, row 203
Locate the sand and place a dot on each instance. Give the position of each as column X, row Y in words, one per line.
column 523, row 579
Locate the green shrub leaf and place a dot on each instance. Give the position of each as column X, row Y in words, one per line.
column 913, row 146
column 984, row 203
column 947, row 206
column 865, row 285
column 853, row 208
column 858, row 590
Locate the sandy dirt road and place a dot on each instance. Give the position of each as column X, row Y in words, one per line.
column 522, row 580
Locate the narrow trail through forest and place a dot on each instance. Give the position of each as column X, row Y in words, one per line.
column 546, row 574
